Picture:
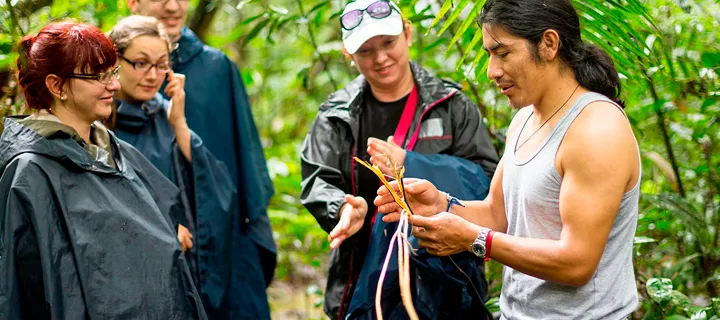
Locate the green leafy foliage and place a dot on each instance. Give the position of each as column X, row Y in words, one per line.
column 673, row 304
column 291, row 56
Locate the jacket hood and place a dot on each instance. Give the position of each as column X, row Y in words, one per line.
column 188, row 46
column 346, row 101
column 132, row 117
column 17, row 139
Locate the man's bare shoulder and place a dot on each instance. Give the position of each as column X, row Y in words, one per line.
column 600, row 141
column 600, row 119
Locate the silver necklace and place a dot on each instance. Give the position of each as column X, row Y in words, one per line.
column 542, row 125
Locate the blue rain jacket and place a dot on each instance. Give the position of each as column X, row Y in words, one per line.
column 208, row 194
column 218, row 110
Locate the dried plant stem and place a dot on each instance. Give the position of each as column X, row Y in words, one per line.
column 400, row 236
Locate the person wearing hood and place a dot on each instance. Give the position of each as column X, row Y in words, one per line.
column 157, row 127
column 219, row 112
column 87, row 224
column 395, row 110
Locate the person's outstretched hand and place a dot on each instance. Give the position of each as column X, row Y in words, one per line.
column 352, row 218
column 423, row 198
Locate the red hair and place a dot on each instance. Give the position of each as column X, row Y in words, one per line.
column 60, row 48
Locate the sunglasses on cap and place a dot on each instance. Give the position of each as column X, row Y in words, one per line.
column 378, row 10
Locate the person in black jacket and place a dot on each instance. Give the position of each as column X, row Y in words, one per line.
column 87, row 224
column 395, row 109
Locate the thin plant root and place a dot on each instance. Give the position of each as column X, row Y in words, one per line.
column 378, row 290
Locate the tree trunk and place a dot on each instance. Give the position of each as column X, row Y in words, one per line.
column 203, row 16
column 666, row 138
column 28, row 7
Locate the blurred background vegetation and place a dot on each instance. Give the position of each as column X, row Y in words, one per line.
column 290, row 54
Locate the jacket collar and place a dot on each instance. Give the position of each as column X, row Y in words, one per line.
column 18, row 138
column 430, row 88
column 131, row 116
column 188, row 46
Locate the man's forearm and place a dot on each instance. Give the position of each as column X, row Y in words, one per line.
column 545, row 259
column 552, row 260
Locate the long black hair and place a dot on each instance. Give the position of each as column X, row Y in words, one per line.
column 529, row 19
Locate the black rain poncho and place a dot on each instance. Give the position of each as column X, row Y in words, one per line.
column 80, row 239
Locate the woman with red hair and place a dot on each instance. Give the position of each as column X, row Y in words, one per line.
column 87, row 224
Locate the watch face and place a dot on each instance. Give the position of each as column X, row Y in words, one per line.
column 478, row 249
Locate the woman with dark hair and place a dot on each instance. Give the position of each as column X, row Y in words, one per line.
column 87, row 224
column 563, row 205
column 157, row 127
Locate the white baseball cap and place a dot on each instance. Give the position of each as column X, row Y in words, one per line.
column 369, row 27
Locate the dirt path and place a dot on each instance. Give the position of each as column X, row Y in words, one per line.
column 293, row 302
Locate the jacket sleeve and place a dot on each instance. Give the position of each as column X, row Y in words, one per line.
column 471, row 139
column 323, row 184
column 22, row 293
column 163, row 191
column 255, row 188
column 254, row 185
column 206, row 186
column 467, row 171
column 215, row 196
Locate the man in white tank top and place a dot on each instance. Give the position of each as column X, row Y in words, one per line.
column 562, row 209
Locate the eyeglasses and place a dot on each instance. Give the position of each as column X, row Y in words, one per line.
column 145, row 66
column 378, row 10
column 104, row 78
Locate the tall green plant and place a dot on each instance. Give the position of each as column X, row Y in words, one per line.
column 605, row 24
column 676, row 116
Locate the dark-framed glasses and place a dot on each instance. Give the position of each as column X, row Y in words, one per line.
column 379, row 9
column 144, row 66
column 104, row 78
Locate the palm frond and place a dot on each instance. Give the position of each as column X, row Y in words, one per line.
column 606, row 24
